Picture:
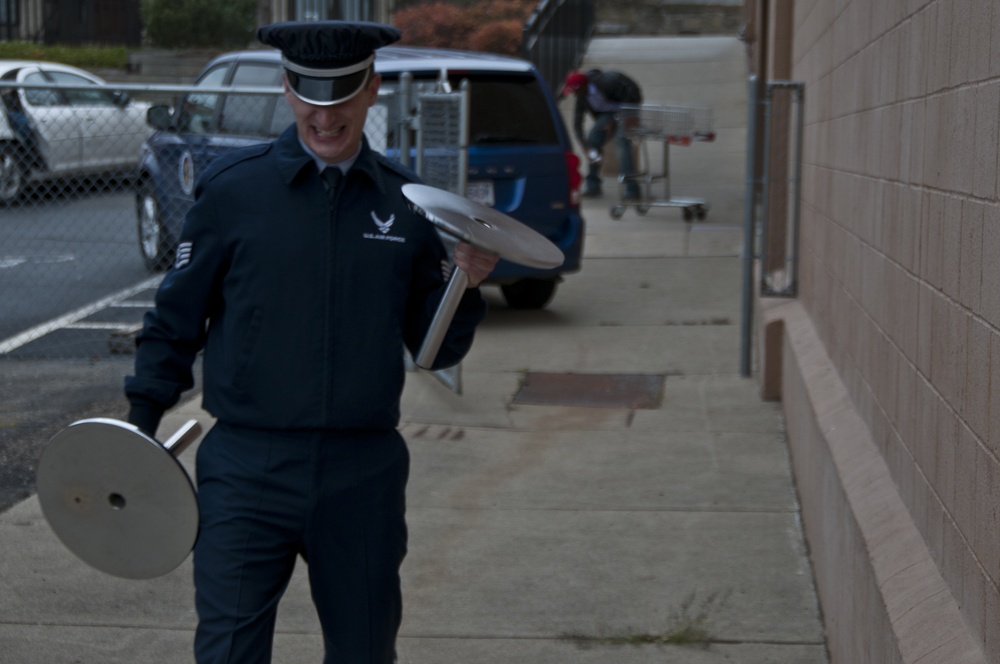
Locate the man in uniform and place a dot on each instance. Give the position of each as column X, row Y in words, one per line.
column 302, row 273
column 601, row 94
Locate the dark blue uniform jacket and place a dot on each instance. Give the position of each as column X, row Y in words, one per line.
column 303, row 313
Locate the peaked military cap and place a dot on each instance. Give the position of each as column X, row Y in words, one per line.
column 327, row 62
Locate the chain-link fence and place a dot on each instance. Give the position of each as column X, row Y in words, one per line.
column 95, row 183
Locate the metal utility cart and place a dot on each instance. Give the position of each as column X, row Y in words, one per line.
column 670, row 125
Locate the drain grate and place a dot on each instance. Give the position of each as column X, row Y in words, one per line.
column 591, row 390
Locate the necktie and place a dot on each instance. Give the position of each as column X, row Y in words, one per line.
column 332, row 175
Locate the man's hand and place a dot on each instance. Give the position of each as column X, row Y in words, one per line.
column 476, row 263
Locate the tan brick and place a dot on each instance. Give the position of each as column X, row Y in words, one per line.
column 966, row 455
column 906, row 411
column 970, row 265
column 993, row 440
column 926, row 296
column 960, row 140
column 913, row 68
column 939, row 46
column 889, row 230
column 907, row 228
column 932, row 239
column 980, row 23
column 976, row 404
column 951, row 246
column 942, row 371
column 990, row 276
column 860, row 25
column 892, row 119
column 987, row 141
column 961, row 31
column 973, row 590
column 917, row 144
column 892, row 83
column 958, row 352
column 935, row 527
column 886, row 374
column 953, row 552
column 943, row 472
column 908, row 293
column 987, row 514
column 995, row 43
column 932, row 159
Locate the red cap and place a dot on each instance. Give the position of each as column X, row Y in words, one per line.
column 574, row 81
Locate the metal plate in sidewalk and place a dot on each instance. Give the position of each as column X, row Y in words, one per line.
column 591, row 390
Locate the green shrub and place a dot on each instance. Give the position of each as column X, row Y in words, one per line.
column 92, row 57
column 200, row 23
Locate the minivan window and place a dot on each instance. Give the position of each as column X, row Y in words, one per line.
column 504, row 108
column 246, row 114
column 509, row 109
column 198, row 108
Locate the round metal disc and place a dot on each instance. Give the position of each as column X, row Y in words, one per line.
column 483, row 227
column 117, row 499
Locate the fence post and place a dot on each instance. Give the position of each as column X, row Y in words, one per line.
column 749, row 219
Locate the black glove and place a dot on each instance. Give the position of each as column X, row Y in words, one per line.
column 146, row 416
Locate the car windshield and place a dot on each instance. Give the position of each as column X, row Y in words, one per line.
column 505, row 108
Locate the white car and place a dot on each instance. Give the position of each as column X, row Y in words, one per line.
column 82, row 127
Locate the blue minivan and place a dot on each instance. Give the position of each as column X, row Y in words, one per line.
column 520, row 158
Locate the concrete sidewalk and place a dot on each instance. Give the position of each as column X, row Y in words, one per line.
column 548, row 523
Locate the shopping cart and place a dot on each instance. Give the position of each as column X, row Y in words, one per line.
column 670, row 125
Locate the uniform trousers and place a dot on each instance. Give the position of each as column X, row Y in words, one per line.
column 265, row 498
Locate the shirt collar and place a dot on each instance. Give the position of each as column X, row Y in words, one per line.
column 344, row 166
column 293, row 157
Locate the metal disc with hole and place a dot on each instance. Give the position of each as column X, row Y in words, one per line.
column 483, row 227
column 117, row 499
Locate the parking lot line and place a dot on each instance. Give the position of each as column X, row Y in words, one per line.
column 73, row 317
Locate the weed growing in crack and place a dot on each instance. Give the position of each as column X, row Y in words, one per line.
column 687, row 625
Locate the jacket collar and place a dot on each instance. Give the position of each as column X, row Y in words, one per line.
column 293, row 160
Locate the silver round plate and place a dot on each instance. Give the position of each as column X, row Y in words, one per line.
column 117, row 499
column 484, row 227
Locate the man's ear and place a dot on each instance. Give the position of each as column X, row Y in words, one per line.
column 373, row 88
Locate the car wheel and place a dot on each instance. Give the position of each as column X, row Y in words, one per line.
column 529, row 293
column 154, row 240
column 11, row 176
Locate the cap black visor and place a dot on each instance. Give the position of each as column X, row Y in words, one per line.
column 326, row 91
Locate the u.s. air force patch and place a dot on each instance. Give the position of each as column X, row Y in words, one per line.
column 183, row 255
column 383, row 229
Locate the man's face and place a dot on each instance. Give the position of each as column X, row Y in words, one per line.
column 334, row 132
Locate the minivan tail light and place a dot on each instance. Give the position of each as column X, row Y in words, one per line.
column 573, row 177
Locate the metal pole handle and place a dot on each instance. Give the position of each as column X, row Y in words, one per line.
column 442, row 319
column 183, row 437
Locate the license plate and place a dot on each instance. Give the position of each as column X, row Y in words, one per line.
column 480, row 191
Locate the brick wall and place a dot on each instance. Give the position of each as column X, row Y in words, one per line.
column 900, row 278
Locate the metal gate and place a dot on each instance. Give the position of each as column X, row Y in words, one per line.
column 93, row 22
column 771, row 201
column 781, row 188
